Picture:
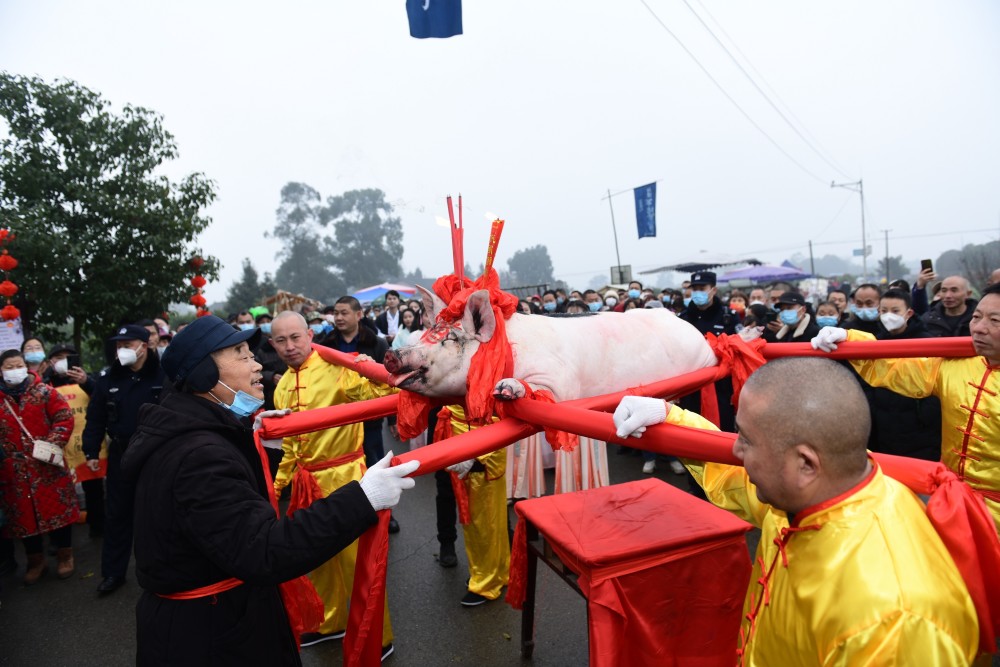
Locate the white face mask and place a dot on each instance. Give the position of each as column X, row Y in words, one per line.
column 61, row 367
column 757, row 303
column 15, row 376
column 127, row 356
column 611, row 301
column 892, row 321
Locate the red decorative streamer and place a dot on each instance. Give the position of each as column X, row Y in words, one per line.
column 7, row 288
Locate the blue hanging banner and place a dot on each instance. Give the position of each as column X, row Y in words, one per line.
column 434, row 18
column 645, row 209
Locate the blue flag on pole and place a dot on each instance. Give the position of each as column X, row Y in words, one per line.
column 434, row 18
column 645, row 209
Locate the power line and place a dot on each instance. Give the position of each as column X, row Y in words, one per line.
column 822, row 154
column 730, row 97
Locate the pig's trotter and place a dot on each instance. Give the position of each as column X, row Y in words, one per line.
column 508, row 389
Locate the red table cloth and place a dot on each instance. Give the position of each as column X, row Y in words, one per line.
column 664, row 573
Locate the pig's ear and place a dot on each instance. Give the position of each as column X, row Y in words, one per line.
column 478, row 319
column 432, row 303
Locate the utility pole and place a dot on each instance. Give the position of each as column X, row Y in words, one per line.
column 887, row 278
column 858, row 186
column 812, row 264
column 614, row 229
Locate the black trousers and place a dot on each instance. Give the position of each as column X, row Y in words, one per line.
column 93, row 493
column 116, row 549
column 447, row 509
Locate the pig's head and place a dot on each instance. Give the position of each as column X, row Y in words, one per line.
column 438, row 364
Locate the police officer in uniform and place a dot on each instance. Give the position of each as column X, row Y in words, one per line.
column 134, row 378
column 709, row 315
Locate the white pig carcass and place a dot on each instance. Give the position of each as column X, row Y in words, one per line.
column 572, row 357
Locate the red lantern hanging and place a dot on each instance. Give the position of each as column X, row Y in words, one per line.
column 198, row 282
column 7, row 288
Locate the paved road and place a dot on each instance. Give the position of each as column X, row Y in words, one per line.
column 58, row 623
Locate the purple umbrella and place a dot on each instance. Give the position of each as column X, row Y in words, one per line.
column 764, row 273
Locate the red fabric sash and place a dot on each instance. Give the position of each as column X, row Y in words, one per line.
column 305, row 488
column 363, row 641
column 204, row 591
column 303, row 605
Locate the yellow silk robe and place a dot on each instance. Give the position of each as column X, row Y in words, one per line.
column 862, row 579
column 486, row 542
column 317, row 384
column 969, row 390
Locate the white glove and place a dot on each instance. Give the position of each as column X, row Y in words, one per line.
column 462, row 468
column 635, row 413
column 258, row 423
column 384, row 485
column 827, row 338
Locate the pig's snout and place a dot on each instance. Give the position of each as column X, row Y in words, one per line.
column 392, row 361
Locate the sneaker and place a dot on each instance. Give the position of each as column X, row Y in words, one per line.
column 677, row 467
column 311, row 638
column 648, row 467
column 473, row 599
column 387, row 651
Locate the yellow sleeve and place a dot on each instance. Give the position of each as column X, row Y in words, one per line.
column 914, row 377
column 287, row 466
column 725, row 486
column 359, row 388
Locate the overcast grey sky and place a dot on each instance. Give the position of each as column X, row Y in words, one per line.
column 541, row 107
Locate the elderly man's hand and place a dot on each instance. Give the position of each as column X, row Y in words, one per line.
column 827, row 338
column 258, row 423
column 384, row 484
column 635, row 413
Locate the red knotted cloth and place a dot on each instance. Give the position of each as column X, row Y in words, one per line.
column 303, row 605
column 561, row 440
column 442, row 432
column 491, row 363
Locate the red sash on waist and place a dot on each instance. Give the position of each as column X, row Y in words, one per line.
column 204, row 591
column 305, row 488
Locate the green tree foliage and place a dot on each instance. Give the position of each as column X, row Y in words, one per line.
column 350, row 241
column 368, row 240
column 248, row 291
column 306, row 266
column 531, row 266
column 897, row 269
column 102, row 237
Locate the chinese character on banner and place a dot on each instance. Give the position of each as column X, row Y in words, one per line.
column 434, row 18
column 645, row 210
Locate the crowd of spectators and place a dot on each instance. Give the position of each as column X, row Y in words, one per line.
column 35, row 409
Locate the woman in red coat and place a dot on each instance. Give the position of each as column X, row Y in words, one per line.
column 36, row 497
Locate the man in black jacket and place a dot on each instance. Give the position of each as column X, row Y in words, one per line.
column 951, row 315
column 709, row 316
column 210, row 547
column 388, row 321
column 902, row 425
column 133, row 379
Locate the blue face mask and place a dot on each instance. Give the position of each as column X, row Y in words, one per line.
column 633, row 294
column 866, row 314
column 789, row 317
column 35, row 357
column 594, row 306
column 687, row 301
column 549, row 306
column 246, row 326
column 316, row 328
column 560, row 300
column 243, row 404
column 699, row 298
column 266, row 328
column 827, row 320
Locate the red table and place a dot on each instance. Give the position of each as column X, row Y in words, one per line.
column 664, row 573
